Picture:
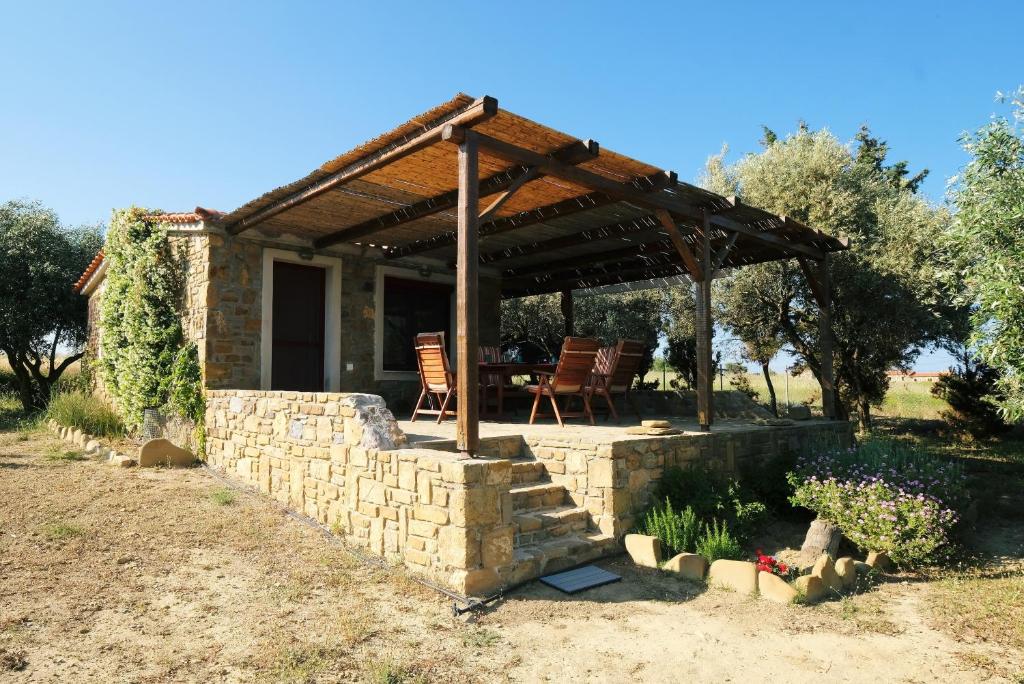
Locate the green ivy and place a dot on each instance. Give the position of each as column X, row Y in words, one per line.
column 144, row 363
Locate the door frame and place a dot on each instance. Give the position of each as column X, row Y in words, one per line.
column 332, row 314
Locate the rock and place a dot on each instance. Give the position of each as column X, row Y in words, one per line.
column 861, row 567
column 655, row 423
column 811, row 587
column 689, row 565
column 122, row 460
column 740, row 576
column 799, row 412
column 879, row 560
column 847, row 572
column 822, row 537
column 774, row 588
column 652, row 431
column 92, row 446
column 644, row 550
column 162, row 452
column 825, row 568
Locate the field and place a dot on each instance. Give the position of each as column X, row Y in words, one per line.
column 904, row 400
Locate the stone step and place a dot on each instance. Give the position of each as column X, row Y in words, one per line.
column 524, row 472
column 540, row 525
column 537, row 495
column 560, row 553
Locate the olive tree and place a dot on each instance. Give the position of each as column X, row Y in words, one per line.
column 883, row 287
column 42, row 322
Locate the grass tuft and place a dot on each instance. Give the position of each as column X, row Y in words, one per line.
column 480, row 638
column 86, row 412
column 222, row 496
column 61, row 531
column 64, row 455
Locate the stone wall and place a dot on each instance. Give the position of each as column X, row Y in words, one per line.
column 233, row 308
column 615, row 480
column 334, row 457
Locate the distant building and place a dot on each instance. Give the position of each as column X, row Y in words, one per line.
column 914, row 376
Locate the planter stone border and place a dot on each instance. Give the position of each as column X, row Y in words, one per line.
column 90, row 445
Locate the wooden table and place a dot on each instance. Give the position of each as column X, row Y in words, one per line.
column 507, row 371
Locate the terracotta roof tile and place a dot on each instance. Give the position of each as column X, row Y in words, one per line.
column 199, row 214
column 90, row 269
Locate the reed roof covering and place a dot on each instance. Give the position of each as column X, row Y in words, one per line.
column 553, row 232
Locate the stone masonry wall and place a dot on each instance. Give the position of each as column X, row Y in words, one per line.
column 234, row 313
column 615, row 480
column 334, row 457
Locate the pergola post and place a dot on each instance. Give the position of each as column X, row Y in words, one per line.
column 702, row 297
column 568, row 314
column 828, row 386
column 466, row 291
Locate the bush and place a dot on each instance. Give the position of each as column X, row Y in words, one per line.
column 678, row 532
column 86, row 412
column 971, row 391
column 712, row 496
column 884, row 497
column 717, row 543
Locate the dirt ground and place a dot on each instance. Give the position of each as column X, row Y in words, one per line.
column 137, row 575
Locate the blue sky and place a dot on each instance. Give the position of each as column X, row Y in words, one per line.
column 170, row 105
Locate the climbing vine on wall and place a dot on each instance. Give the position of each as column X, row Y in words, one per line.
column 143, row 361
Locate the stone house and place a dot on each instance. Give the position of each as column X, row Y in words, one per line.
column 304, row 302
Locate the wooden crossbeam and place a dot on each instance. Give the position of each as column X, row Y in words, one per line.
column 636, row 250
column 813, row 280
column 577, row 282
column 505, row 224
column 723, row 252
column 507, row 182
column 613, row 231
column 480, row 110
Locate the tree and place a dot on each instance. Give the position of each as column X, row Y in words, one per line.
column 986, row 247
column 40, row 317
column 537, row 322
column 884, row 287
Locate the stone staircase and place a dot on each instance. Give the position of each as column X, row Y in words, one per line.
column 552, row 532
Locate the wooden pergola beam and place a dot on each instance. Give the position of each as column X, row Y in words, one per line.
column 704, row 330
column 820, row 281
column 507, row 182
column 480, row 110
column 635, row 250
column 611, row 231
column 467, row 323
column 675, row 235
column 581, row 281
column 505, row 224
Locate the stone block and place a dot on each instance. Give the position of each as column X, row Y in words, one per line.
column 92, row 446
column 879, row 560
column 739, row 576
column 774, row 588
column 847, row 572
column 689, row 565
column 825, row 568
column 861, row 567
column 811, row 587
column 474, row 506
column 644, row 550
column 496, row 547
column 476, row 582
column 655, row 423
column 601, row 472
column 163, row 452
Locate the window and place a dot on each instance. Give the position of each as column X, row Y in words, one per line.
column 411, row 307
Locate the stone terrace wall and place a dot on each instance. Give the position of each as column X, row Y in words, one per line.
column 615, row 480
column 334, row 458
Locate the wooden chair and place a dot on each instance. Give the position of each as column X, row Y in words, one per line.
column 569, row 379
column 491, row 381
column 614, row 371
column 436, row 376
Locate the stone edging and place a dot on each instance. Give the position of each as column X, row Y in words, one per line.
column 826, row 578
column 91, row 445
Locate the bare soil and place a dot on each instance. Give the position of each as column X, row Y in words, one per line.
column 117, row 575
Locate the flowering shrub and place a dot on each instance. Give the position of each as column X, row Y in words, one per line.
column 883, row 497
column 774, row 566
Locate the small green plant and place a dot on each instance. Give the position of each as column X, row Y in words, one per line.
column 222, row 496
column 387, row 671
column 60, row 530
column 86, row 412
column 677, row 531
column 718, row 543
column 64, row 455
column 713, row 496
column 480, row 638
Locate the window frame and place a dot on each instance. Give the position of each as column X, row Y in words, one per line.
column 400, row 273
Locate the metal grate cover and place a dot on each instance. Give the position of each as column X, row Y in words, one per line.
column 573, row 581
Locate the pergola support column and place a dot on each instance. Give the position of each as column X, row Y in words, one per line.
column 702, row 297
column 568, row 312
column 466, row 292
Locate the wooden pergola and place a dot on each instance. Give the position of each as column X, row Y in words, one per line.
column 470, row 185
